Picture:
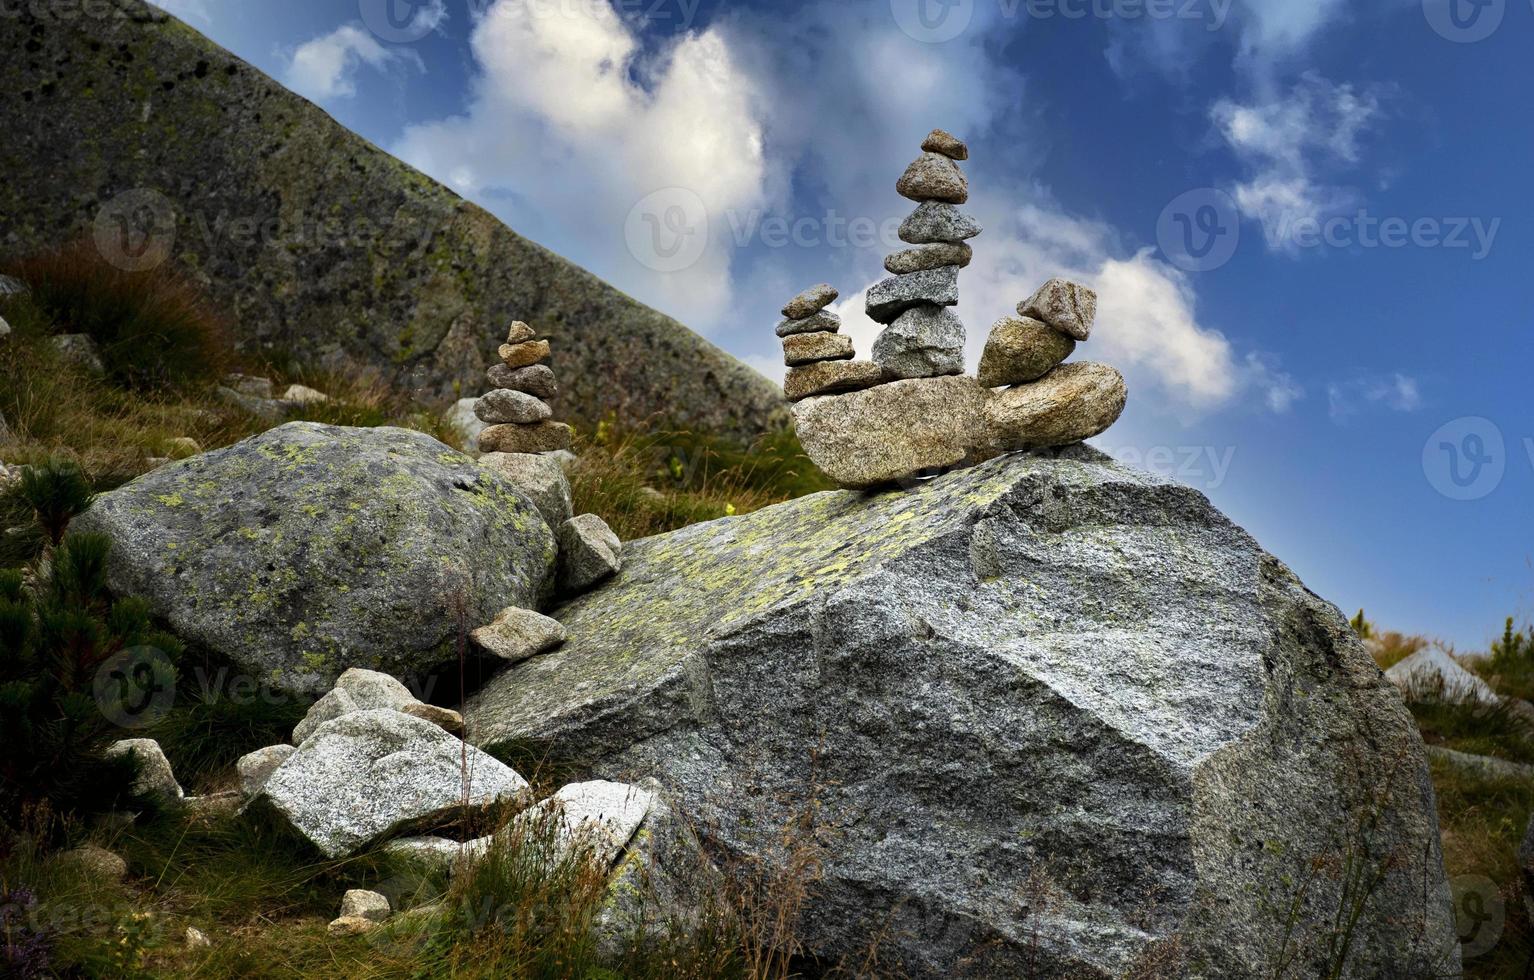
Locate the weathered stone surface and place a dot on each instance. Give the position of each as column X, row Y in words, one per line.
column 1072, row 403
column 1020, row 350
column 599, row 817
column 828, row 377
column 370, row 774
column 380, row 264
column 893, row 432
column 933, row 222
column 350, row 925
column 430, row 854
column 255, row 768
column 812, row 348
column 312, row 548
column 372, row 689
column 1432, row 674
column 504, row 405
column 364, row 905
column 537, row 380
column 810, row 302
column 518, row 635
column 921, row 257
column 524, row 355
column 269, row 409
column 155, row 777
column 540, row 437
column 541, row 477
column 96, row 863
column 923, row 342
column 949, row 145
column 80, row 350
column 825, row 321
column 934, row 177
column 250, row 384
column 520, row 333
column 303, row 395
column 333, row 705
column 195, row 938
column 589, row 552
column 1063, row 305
column 889, row 298
column 1058, row 716
column 464, row 422
column 446, row 719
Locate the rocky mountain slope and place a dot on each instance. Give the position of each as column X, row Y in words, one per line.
column 125, row 124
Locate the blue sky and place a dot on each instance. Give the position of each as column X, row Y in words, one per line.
column 1308, row 220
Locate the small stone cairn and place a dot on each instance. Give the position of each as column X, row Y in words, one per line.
column 818, row 357
column 517, row 412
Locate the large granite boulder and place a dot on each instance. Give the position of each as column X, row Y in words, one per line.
column 311, row 548
column 1051, row 717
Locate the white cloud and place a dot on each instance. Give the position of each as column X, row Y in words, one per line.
column 1393, row 392
column 326, row 67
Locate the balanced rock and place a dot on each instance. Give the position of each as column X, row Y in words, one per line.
column 921, row 257
column 934, row 177
column 810, row 302
column 520, row 333
column 1050, row 705
column 810, row 348
column 949, row 145
column 370, row 689
column 933, row 223
column 255, row 768
column 505, row 405
column 589, row 552
column 518, row 635
column 823, row 322
column 524, row 354
column 923, row 342
column 540, row 437
column 536, row 380
column 1020, row 350
column 1063, row 305
column 311, row 548
column 889, row 298
column 830, row 377
column 1072, row 403
column 155, row 777
column 540, row 477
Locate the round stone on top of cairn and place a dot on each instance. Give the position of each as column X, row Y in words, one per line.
column 818, row 355
column 517, row 412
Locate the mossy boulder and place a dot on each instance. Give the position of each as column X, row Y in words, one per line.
column 311, row 549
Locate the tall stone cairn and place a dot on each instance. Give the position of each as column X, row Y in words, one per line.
column 819, row 357
column 517, row 412
column 923, row 338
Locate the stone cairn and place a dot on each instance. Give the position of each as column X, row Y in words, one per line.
column 517, row 412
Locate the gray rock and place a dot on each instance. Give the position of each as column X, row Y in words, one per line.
column 11, row 286
column 934, row 177
column 589, row 552
column 80, row 350
column 95, row 863
column 304, row 396
column 371, row 689
column 889, row 298
column 599, row 817
column 539, row 476
column 437, row 854
column 446, row 719
column 5, row 328
column 256, row 768
column 810, row 302
column 268, row 409
column 520, row 333
column 949, row 145
column 518, row 635
column 155, row 777
column 1020, row 350
column 310, row 548
column 830, row 377
column 1072, row 403
column 370, row 774
column 564, row 457
column 333, row 705
column 537, row 380
column 251, row 385
column 894, row 432
column 540, row 437
column 462, row 420
column 362, row 904
column 812, row 348
column 195, row 938
column 1432, row 674
column 505, row 405
column 1063, row 305
column 182, row 447
column 1482, row 766
column 922, row 257
column 824, row 321
column 933, row 222
column 1047, row 712
column 923, row 342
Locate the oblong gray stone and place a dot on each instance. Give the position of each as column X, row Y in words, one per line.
column 810, row 348
column 1072, row 403
column 891, row 297
column 932, row 256
column 505, row 405
column 923, row 342
column 934, row 222
column 537, row 380
column 825, row 321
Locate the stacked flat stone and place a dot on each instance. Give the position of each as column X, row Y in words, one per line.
column 517, row 413
column 819, row 357
column 923, row 338
column 1024, row 348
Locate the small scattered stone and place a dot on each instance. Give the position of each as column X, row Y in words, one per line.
column 810, row 302
column 519, row 634
column 214, row 806
column 949, row 145
column 541, row 437
column 333, row 705
column 96, row 863
column 446, row 719
column 810, row 348
column 80, row 349
column 824, row 321
column 1064, row 306
column 256, row 768
column 249, row 384
column 350, row 925
column 155, row 778
column 541, row 477
column 891, row 297
column 269, row 409
column 830, row 377
column 197, row 939
column 303, row 395
column 934, row 177
column 923, row 257
column 589, row 552
column 520, row 333
column 363, row 904
column 525, row 354
column 1070, row 404
column 923, row 342
column 933, row 222
column 182, row 447
column 505, row 405
column 1020, row 350
column 537, row 380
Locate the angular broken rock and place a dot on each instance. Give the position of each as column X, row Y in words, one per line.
column 933, row 223
column 923, row 342
column 369, row 774
column 374, row 689
column 432, row 854
column 825, row 321
column 540, row 437
column 520, row 333
column 505, row 405
column 599, row 817
column 540, row 477
column 1065, row 306
column 256, row 767
column 155, row 777
column 1070, row 404
column 831, row 377
column 1020, row 350
column 364, row 905
column 524, row 354
column 335, row 704
column 589, row 552
column 889, row 298
column 811, row 348
column 893, row 432
column 949, row 145
column 518, row 635
column 810, row 302
column 934, row 177
column 935, row 256
column 537, row 380
column 446, row 719
column 350, row 925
